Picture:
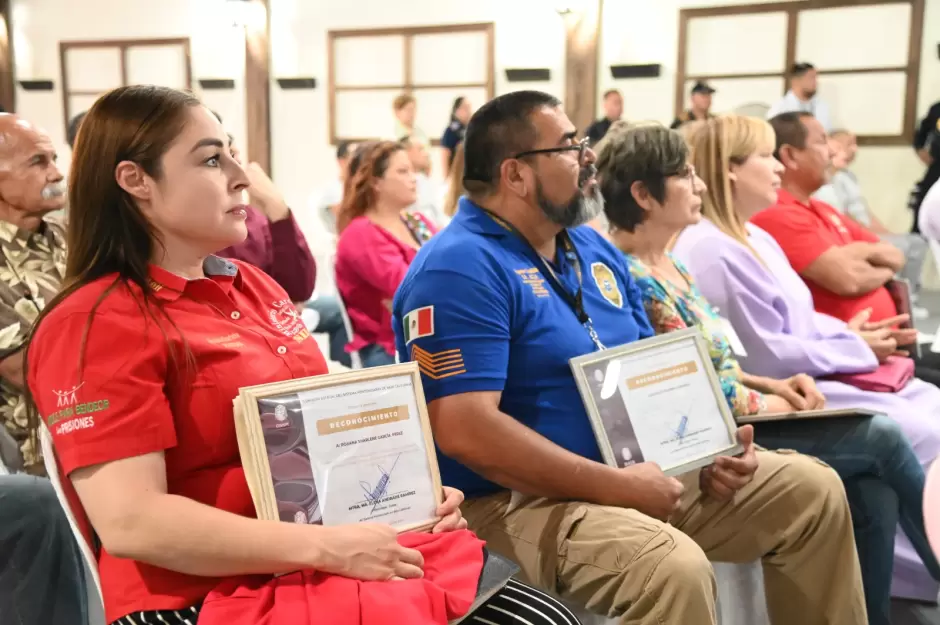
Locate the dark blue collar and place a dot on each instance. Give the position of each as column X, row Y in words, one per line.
column 472, row 217
column 475, row 219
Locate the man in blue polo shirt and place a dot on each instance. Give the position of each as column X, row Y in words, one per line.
column 492, row 309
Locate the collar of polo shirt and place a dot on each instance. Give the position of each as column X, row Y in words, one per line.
column 169, row 286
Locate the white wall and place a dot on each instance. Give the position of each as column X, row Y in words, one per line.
column 217, row 49
column 640, row 31
column 528, row 33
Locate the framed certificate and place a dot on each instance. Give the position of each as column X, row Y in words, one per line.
column 657, row 400
column 342, row 448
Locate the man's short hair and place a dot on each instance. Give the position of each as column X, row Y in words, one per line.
column 840, row 133
column 499, row 129
column 611, row 92
column 790, row 130
column 342, row 149
column 402, row 101
column 71, row 133
column 798, row 69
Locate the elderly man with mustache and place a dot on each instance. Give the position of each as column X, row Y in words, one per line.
column 41, row 579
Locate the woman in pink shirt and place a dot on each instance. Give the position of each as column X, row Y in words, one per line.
column 378, row 240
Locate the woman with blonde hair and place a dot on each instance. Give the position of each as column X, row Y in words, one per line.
column 768, row 310
column 378, row 239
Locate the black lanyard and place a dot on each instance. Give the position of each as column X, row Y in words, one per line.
column 574, row 300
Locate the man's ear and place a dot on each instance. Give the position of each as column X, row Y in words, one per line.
column 131, row 177
column 788, row 157
column 511, row 171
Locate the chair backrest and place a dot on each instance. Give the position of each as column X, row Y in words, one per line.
column 78, row 521
column 354, row 358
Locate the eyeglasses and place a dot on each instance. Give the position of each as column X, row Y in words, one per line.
column 580, row 147
column 687, row 172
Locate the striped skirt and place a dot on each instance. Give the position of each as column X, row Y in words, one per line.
column 516, row 604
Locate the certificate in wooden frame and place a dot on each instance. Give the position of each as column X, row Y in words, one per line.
column 323, row 433
column 680, row 376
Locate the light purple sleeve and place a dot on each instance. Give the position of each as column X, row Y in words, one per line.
column 743, row 290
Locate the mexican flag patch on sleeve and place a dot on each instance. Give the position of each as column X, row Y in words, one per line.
column 418, row 324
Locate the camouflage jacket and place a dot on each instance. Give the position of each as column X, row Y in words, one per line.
column 32, row 266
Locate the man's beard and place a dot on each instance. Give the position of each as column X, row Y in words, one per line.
column 580, row 209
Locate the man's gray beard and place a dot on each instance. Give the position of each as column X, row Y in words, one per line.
column 580, row 210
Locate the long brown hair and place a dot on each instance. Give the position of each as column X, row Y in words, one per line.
column 107, row 232
column 359, row 194
column 455, row 186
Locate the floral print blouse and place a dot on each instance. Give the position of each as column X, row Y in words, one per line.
column 671, row 307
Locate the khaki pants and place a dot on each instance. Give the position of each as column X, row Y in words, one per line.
column 622, row 563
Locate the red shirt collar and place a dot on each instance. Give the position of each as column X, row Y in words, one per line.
column 786, row 198
column 169, row 286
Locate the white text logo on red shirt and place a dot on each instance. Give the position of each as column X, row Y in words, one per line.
column 67, row 397
column 72, row 414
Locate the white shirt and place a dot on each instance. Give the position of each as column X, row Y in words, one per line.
column 332, row 195
column 844, row 194
column 790, row 103
column 429, row 202
column 928, row 219
column 415, row 133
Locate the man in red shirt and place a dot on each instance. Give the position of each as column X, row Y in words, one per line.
column 844, row 265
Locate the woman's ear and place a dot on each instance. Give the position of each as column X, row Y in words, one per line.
column 132, row 179
column 641, row 195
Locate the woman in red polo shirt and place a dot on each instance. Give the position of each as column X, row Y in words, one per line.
column 135, row 364
column 378, row 240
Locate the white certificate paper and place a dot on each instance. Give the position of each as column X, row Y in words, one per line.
column 657, row 400
column 367, row 452
column 671, row 405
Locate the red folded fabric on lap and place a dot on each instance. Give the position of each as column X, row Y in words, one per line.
column 452, row 565
column 891, row 376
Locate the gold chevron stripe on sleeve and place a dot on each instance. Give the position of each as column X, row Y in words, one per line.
column 443, row 364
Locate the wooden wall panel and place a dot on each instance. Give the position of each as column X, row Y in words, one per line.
column 7, row 65
column 582, row 35
column 258, row 88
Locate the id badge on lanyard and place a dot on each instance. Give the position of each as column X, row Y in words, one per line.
column 574, row 300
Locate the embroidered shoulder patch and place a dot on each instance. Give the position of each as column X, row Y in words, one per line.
column 419, row 323
column 607, row 284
